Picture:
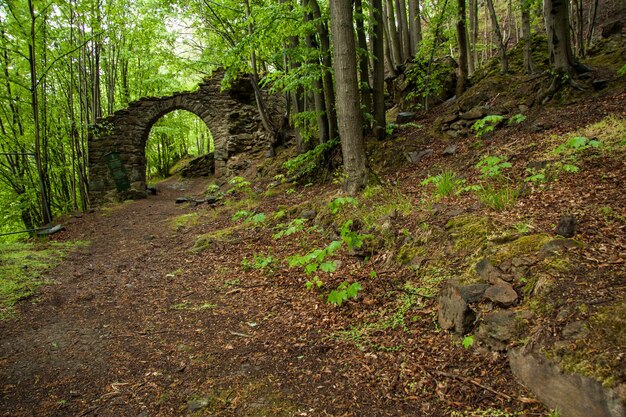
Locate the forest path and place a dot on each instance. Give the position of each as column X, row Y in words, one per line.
column 136, row 324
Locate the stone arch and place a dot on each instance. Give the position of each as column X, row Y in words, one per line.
column 231, row 116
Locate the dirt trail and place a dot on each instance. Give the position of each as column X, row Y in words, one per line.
column 137, row 325
column 89, row 342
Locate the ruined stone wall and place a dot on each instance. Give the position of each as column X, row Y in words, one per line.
column 231, row 115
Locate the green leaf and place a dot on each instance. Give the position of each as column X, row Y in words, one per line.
column 336, row 297
column 468, row 341
column 353, row 290
column 328, row 266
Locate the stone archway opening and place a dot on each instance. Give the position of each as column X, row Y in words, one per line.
column 173, row 140
column 117, row 143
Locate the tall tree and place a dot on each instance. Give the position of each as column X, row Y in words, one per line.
column 378, row 67
column 364, row 81
column 348, row 111
column 556, row 15
column 504, row 61
column 461, row 33
column 415, row 25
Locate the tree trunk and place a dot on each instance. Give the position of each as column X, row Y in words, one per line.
column 472, row 57
column 415, row 25
column 591, row 21
column 348, row 111
column 504, row 61
column 378, row 67
column 318, row 90
column 529, row 67
column 390, row 65
column 327, row 78
column 461, row 32
column 43, row 196
column 364, row 79
column 403, row 29
column 562, row 59
column 254, row 80
column 394, row 40
column 579, row 27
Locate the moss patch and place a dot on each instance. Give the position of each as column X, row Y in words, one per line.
column 228, row 235
column 525, row 245
column 22, row 266
column 185, row 221
column 469, row 232
column 598, row 355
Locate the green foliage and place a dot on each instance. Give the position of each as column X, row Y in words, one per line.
column 492, row 166
column 517, row 119
column 260, row 261
column 307, row 162
column 212, row 189
column 390, row 128
column 295, row 226
column 445, row 183
column 622, row 71
column 487, row 124
column 344, row 292
column 255, row 218
column 353, row 240
column 240, row 184
column 536, row 176
column 315, row 282
column 577, row 144
column 468, row 341
column 497, row 198
column 316, row 259
column 338, row 203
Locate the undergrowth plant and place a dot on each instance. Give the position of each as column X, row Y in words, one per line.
column 344, row 292
column 487, row 124
column 307, row 162
column 492, row 166
column 256, row 219
column 338, row 203
column 259, row 261
column 497, row 198
column 241, row 185
column 446, row 183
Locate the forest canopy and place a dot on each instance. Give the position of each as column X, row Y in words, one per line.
column 65, row 64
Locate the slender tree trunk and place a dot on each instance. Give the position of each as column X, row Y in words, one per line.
column 415, row 25
column 591, row 22
column 504, row 61
column 394, row 40
column 318, row 90
column 461, row 32
column 254, row 79
column 579, row 35
column 32, row 59
column 529, row 66
column 378, row 67
column 390, row 65
column 364, row 81
column 327, row 78
column 403, row 29
column 349, row 113
column 472, row 57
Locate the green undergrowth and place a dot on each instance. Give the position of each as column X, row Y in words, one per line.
column 22, row 268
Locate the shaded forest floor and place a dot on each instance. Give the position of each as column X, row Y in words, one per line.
column 193, row 309
column 136, row 324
